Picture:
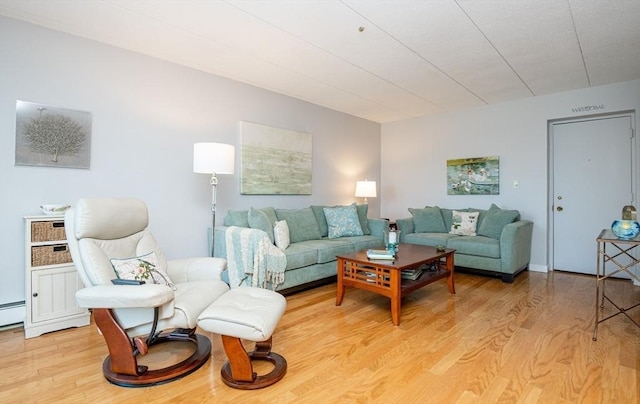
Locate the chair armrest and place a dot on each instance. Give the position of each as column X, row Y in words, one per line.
column 196, row 269
column 124, row 296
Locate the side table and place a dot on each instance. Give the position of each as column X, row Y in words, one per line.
column 617, row 250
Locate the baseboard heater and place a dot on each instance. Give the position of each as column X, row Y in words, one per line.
column 12, row 313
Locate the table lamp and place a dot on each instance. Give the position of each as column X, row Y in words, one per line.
column 365, row 189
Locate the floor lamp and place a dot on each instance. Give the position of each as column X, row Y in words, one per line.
column 213, row 158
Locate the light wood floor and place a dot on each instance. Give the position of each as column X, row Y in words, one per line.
column 527, row 342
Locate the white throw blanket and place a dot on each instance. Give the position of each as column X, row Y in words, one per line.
column 250, row 253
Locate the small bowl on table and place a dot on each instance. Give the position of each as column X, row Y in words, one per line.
column 54, row 209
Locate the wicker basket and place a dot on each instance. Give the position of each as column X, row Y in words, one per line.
column 50, row 255
column 47, row 231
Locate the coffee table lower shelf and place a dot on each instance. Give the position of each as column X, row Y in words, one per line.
column 384, row 277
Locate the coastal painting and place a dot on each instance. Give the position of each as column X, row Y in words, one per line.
column 274, row 161
column 473, row 176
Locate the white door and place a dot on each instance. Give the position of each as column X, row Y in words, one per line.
column 592, row 181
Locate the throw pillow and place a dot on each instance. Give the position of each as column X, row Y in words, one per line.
column 494, row 221
column 428, row 220
column 343, row 221
column 464, row 223
column 142, row 268
column 236, row 218
column 318, row 212
column 281, row 234
column 302, row 224
column 363, row 213
column 259, row 220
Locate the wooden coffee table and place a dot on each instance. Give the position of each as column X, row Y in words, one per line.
column 384, row 276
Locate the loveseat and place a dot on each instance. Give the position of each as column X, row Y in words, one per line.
column 492, row 242
column 314, row 241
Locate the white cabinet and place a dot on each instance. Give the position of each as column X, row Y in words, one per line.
column 51, row 278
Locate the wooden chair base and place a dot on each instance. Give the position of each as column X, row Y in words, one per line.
column 238, row 371
column 146, row 377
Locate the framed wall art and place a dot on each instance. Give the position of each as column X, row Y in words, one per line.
column 52, row 137
column 473, row 176
column 274, row 161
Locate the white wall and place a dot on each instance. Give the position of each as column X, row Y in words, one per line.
column 414, row 153
column 147, row 114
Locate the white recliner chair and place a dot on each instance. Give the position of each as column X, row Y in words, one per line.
column 109, row 233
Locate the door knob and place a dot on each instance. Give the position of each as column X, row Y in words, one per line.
column 559, row 209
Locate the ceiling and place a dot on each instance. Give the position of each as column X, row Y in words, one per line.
column 379, row 60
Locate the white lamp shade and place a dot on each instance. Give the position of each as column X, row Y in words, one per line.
column 213, row 158
column 365, row 189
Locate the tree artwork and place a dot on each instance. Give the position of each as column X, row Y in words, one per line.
column 54, row 137
column 54, row 134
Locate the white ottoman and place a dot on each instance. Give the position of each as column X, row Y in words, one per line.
column 251, row 314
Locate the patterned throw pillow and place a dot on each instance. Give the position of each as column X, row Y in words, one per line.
column 281, row 234
column 142, row 268
column 464, row 223
column 343, row 221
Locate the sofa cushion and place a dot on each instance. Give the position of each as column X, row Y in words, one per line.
column 430, row 239
column 237, row 218
column 364, row 242
column 281, row 235
column 494, row 221
column 475, row 245
column 259, row 220
column 329, row 248
column 428, row 220
column 343, row 221
column 300, row 255
column 302, row 224
column 464, row 223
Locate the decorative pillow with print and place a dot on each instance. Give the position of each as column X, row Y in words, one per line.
column 142, row 268
column 343, row 221
column 464, row 223
column 281, row 234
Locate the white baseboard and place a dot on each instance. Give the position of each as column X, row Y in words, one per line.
column 538, row 268
column 12, row 314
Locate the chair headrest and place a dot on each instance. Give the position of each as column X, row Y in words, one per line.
column 109, row 218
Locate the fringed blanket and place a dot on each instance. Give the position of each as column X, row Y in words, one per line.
column 250, row 254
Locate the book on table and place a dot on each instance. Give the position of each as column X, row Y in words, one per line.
column 411, row 274
column 380, row 255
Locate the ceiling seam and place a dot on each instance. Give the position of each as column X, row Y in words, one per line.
column 494, row 47
column 346, row 61
column 279, row 91
column 575, row 30
column 418, row 55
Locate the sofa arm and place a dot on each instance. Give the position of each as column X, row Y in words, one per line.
column 377, row 227
column 515, row 246
column 220, row 242
column 405, row 226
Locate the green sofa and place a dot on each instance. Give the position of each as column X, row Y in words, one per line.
column 311, row 255
column 500, row 247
